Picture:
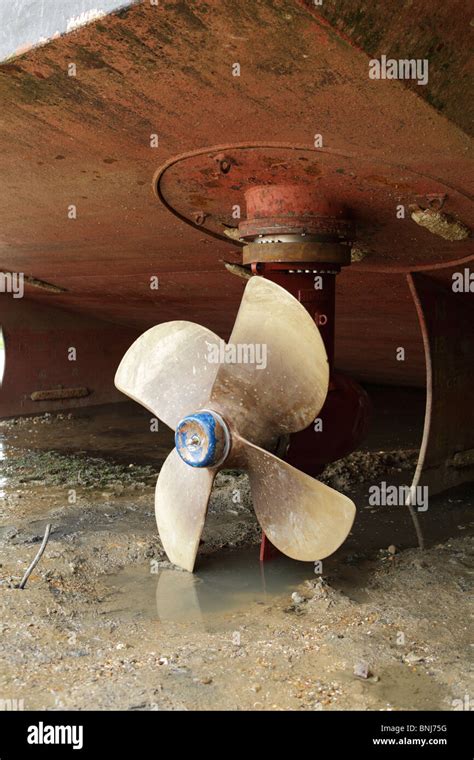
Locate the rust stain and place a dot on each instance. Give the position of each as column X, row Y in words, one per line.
column 57, row 394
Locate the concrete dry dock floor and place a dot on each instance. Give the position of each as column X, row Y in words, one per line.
column 106, row 622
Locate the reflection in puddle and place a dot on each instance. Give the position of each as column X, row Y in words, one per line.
column 224, row 583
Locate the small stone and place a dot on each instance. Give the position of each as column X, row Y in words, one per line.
column 412, row 658
column 256, row 687
column 206, row 680
column 392, row 549
column 361, row 669
column 297, row 598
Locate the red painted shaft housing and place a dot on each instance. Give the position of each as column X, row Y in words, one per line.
column 296, row 221
column 315, row 288
column 296, row 239
column 294, row 209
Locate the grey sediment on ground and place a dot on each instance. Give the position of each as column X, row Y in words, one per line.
column 77, row 637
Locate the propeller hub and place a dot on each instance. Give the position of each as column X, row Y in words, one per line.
column 202, row 439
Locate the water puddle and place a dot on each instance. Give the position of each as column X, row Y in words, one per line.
column 409, row 689
column 226, row 582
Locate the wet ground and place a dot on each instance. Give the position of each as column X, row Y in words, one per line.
column 106, row 622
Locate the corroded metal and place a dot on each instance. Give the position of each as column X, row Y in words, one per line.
column 287, row 188
column 279, row 209
column 57, row 394
column 410, row 30
column 166, row 70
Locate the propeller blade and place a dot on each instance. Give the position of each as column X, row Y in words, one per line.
column 302, row 517
column 167, row 370
column 279, row 380
column 181, row 499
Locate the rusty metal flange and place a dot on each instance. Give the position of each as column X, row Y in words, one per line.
column 327, row 253
column 209, row 194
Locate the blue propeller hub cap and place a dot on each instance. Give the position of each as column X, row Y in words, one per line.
column 202, row 439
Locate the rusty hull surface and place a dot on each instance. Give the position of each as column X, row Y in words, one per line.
column 167, row 70
column 439, row 31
